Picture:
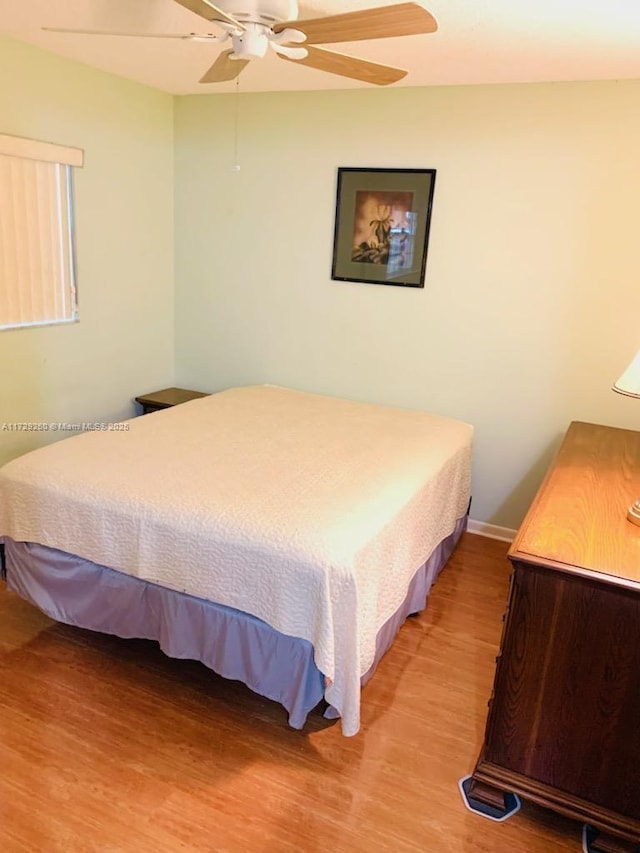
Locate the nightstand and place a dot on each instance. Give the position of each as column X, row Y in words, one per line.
column 166, row 398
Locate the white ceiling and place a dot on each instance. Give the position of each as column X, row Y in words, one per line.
column 478, row 41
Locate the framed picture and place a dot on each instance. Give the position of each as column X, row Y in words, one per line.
column 382, row 225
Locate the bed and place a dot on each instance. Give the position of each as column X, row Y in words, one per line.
column 278, row 536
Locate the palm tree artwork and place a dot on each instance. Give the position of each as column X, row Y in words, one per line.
column 382, row 222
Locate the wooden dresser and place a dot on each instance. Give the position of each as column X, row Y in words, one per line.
column 563, row 728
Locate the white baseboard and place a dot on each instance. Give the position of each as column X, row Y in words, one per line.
column 492, row 531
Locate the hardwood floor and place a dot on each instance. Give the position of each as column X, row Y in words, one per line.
column 108, row 746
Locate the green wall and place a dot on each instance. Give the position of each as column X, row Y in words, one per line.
column 531, row 300
column 124, row 342
column 531, row 303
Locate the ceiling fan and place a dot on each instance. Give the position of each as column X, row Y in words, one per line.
column 255, row 26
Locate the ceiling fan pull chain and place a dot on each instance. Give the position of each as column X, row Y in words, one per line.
column 236, row 163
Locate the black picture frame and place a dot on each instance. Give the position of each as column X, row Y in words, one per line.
column 382, row 223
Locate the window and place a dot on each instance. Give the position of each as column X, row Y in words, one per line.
column 37, row 277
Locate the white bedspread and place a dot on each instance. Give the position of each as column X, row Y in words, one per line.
column 310, row 512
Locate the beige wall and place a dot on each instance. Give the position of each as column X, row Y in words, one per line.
column 531, row 306
column 123, row 344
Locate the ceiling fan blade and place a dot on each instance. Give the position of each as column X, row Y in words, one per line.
column 185, row 36
column 349, row 66
column 210, row 12
column 406, row 19
column 224, row 68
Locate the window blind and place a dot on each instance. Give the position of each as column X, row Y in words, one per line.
column 37, row 281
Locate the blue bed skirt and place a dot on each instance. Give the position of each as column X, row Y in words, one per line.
column 232, row 643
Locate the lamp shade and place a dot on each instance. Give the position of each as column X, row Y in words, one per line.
column 629, row 382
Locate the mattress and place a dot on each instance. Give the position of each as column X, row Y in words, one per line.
column 308, row 512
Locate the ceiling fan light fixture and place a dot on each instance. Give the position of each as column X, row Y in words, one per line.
column 252, row 43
